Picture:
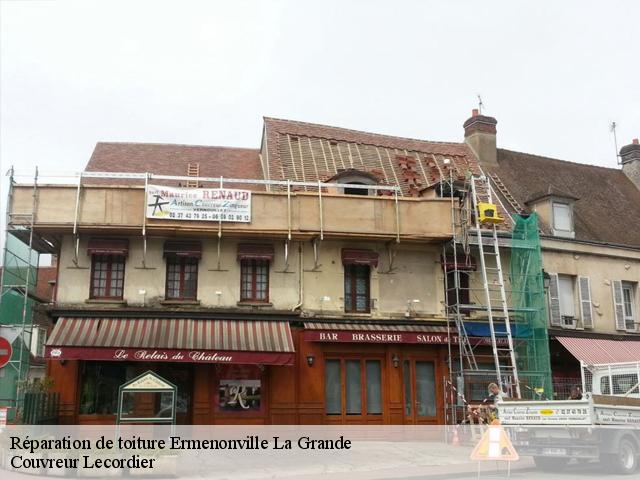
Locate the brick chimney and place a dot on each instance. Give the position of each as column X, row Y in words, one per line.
column 630, row 157
column 480, row 135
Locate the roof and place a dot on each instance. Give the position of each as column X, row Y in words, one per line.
column 170, row 159
column 311, row 152
column 606, row 205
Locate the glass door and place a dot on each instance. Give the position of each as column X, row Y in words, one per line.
column 420, row 404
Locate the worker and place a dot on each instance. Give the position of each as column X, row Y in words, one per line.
column 575, row 394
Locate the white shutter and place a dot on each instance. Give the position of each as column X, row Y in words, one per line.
column 586, row 312
column 618, row 306
column 554, row 301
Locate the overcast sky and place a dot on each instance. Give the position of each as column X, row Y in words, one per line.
column 75, row 73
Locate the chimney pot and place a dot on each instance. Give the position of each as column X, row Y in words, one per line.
column 474, row 112
column 636, row 141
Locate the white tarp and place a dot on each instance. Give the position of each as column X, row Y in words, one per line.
column 199, row 204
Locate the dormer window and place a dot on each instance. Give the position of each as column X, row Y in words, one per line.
column 555, row 208
column 562, row 219
column 355, row 177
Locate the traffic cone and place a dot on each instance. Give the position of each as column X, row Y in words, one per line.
column 455, row 441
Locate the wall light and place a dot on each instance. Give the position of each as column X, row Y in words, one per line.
column 311, row 360
column 396, row 360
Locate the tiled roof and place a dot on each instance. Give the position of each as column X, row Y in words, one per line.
column 309, row 152
column 607, row 203
column 169, row 159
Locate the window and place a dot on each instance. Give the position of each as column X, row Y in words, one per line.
column 99, row 387
column 562, row 219
column 358, row 382
column 628, row 303
column 107, row 276
column 463, row 289
column 567, row 299
column 356, row 288
column 356, row 191
column 254, row 280
column 41, row 337
column 182, row 278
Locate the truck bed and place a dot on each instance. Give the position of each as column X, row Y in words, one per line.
column 591, row 410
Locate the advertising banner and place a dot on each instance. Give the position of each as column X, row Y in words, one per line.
column 199, row 204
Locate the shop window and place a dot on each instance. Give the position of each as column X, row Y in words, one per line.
column 239, row 389
column 357, row 288
column 333, row 389
column 182, row 278
column 254, row 280
column 358, row 382
column 99, row 387
column 107, row 276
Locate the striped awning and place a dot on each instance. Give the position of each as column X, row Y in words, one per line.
column 180, row 340
column 593, row 351
column 376, row 333
column 375, row 327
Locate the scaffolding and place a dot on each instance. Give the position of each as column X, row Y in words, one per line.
column 511, row 307
column 17, row 301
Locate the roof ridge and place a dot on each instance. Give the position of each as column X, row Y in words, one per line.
column 322, row 125
column 560, row 160
column 176, row 145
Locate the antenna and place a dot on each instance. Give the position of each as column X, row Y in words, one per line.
column 613, row 127
column 480, row 104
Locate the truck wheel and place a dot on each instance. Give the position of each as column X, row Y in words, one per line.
column 549, row 464
column 625, row 460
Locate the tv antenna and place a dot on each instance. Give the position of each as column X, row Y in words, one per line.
column 480, row 104
column 613, row 127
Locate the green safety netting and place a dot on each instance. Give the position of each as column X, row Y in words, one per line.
column 530, row 309
column 19, row 277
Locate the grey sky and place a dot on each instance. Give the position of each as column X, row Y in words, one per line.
column 74, row 73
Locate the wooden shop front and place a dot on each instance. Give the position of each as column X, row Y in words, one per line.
column 255, row 372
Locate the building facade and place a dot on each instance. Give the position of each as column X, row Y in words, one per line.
column 304, row 281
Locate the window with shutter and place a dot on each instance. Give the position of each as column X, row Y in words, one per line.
column 586, row 312
column 618, row 305
column 628, row 304
column 554, row 301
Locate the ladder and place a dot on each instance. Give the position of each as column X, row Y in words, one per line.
column 494, row 293
column 506, row 193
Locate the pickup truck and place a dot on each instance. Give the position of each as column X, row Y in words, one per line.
column 596, row 427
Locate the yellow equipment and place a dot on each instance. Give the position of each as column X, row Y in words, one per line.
column 489, row 213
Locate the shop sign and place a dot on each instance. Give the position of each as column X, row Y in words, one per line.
column 349, row 336
column 168, row 355
column 199, row 204
column 239, row 395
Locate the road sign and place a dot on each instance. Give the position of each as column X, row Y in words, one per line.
column 5, row 351
column 495, row 445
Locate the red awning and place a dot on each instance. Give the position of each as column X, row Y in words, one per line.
column 380, row 333
column 172, row 340
column 351, row 256
column 108, row 246
column 463, row 263
column 182, row 249
column 593, row 351
column 255, row 252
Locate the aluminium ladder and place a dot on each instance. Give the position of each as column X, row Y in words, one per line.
column 495, row 294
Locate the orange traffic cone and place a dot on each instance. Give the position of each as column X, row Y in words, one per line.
column 455, row 441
